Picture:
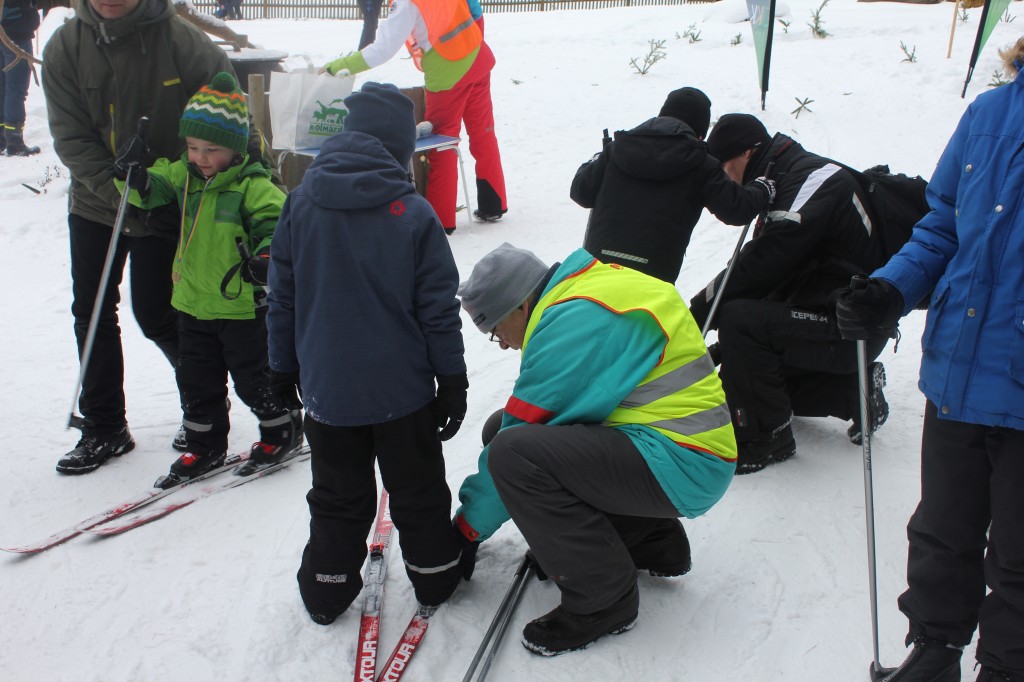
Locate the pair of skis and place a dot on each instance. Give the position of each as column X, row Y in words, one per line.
column 374, row 576
column 120, row 518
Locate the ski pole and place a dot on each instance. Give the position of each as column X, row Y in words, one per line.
column 97, row 306
column 869, row 504
column 500, row 634
column 732, row 264
column 501, row 618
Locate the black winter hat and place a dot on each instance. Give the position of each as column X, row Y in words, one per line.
column 691, row 106
column 734, row 134
column 380, row 110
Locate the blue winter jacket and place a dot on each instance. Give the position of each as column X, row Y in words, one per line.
column 970, row 247
column 362, row 288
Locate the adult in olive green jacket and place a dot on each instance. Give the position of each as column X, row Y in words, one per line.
column 116, row 61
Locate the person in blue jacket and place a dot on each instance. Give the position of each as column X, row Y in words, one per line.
column 968, row 529
column 363, row 319
column 617, row 425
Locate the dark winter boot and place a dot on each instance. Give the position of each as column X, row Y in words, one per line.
column 988, row 674
column 192, row 464
column 877, row 407
column 93, row 450
column 778, row 446
column 561, row 631
column 278, row 436
column 664, row 552
column 488, row 217
column 929, row 661
column 16, row 143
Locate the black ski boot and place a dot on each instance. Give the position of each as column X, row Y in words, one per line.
column 664, row 552
column 930, row 660
column 878, row 408
column 93, row 450
column 482, row 217
column 16, row 143
column 988, row 674
column 190, row 465
column 278, row 437
column 560, row 631
column 778, row 446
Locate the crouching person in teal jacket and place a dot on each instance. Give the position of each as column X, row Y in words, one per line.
column 617, row 426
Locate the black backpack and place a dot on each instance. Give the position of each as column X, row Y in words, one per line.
column 895, row 202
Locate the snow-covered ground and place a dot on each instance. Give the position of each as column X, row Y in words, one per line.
column 779, row 584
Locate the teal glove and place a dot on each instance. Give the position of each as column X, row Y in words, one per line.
column 353, row 63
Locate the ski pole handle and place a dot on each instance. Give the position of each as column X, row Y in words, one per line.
column 243, row 249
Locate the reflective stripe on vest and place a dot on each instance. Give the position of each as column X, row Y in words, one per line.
column 681, row 397
column 450, row 27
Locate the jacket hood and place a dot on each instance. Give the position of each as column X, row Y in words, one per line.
column 355, row 171
column 114, row 30
column 658, row 149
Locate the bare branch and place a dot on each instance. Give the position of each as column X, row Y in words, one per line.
column 18, row 52
column 208, row 23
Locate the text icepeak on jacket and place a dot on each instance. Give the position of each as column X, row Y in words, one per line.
column 647, row 190
column 363, row 285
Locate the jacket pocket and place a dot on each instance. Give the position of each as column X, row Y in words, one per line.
column 1017, row 344
column 935, row 312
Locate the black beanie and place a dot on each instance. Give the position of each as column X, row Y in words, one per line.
column 734, row 134
column 691, row 106
column 380, row 110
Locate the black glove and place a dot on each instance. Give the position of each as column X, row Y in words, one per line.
column 867, row 308
column 165, row 221
column 286, row 388
column 699, row 308
column 254, row 270
column 715, row 351
column 131, row 156
column 450, row 404
column 467, row 561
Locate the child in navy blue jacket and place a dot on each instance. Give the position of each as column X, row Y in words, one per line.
column 363, row 316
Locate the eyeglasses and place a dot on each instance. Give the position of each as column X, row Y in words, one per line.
column 495, row 337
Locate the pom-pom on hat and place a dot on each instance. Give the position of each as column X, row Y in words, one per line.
column 500, row 283
column 734, row 134
column 380, row 110
column 691, row 106
column 218, row 114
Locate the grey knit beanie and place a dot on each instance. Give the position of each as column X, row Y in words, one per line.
column 500, row 283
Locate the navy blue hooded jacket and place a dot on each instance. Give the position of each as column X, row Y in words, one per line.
column 362, row 288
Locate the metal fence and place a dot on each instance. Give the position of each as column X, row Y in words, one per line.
column 350, row 9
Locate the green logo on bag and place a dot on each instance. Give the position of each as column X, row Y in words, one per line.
column 329, row 120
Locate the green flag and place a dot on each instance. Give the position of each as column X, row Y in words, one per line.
column 762, row 24
column 990, row 16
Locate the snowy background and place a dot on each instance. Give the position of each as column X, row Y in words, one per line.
column 779, row 584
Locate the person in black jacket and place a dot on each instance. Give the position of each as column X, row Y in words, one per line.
column 780, row 348
column 20, row 20
column 647, row 189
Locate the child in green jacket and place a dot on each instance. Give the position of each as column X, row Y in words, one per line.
column 229, row 209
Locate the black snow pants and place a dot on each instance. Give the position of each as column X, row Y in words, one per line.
column 966, row 533
column 209, row 351
column 102, row 399
column 779, row 361
column 343, row 502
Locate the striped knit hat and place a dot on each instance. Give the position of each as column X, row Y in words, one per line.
column 218, row 114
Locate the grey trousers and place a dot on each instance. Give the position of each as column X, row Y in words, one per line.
column 560, row 483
